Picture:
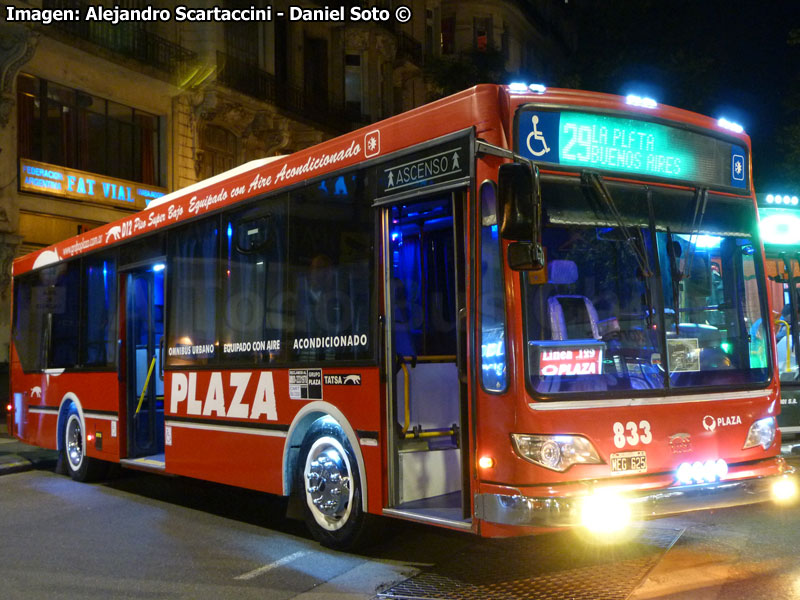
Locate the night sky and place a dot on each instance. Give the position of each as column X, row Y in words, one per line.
column 718, row 58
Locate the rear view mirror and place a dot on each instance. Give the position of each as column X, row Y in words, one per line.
column 517, row 202
column 525, row 256
column 519, row 214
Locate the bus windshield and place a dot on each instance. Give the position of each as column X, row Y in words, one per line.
column 645, row 289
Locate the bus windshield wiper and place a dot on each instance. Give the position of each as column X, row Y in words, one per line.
column 599, row 188
column 700, row 203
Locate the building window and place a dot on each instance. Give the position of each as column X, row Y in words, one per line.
column 219, row 150
column 69, row 128
column 448, row 35
column 482, row 29
column 429, row 31
column 352, row 85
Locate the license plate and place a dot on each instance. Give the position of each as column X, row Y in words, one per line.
column 629, row 462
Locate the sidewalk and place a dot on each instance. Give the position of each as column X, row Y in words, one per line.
column 16, row 456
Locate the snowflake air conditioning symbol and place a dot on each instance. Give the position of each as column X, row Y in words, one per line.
column 737, row 167
column 372, row 143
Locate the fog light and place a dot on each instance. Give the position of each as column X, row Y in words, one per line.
column 702, row 472
column 784, row 490
column 605, row 512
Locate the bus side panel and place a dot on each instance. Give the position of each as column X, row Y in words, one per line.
column 26, row 389
column 37, row 398
column 231, row 426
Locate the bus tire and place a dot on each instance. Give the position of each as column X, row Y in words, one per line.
column 79, row 466
column 330, row 487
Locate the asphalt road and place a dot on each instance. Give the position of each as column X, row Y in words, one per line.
column 144, row 536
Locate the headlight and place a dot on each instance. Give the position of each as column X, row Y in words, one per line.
column 556, row 452
column 762, row 433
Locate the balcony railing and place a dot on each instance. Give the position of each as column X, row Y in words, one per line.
column 249, row 79
column 127, row 39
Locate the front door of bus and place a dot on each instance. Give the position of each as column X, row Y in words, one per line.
column 144, row 330
column 425, row 294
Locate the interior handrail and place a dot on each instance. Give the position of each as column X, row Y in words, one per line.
column 429, row 358
column 144, row 387
column 418, row 432
column 788, row 348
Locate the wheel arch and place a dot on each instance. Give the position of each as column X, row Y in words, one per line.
column 308, row 415
column 68, row 400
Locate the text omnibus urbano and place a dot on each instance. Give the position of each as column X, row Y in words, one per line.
column 509, row 310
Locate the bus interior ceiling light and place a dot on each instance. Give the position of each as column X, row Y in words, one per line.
column 761, row 433
column 555, row 452
column 642, row 101
column 730, row 125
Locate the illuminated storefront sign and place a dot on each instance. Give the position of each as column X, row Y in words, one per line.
column 612, row 143
column 42, row 178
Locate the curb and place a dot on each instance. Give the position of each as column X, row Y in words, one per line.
column 16, row 464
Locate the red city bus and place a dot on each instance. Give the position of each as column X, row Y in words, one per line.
column 778, row 216
column 510, row 310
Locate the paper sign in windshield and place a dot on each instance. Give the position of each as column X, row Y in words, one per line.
column 683, row 355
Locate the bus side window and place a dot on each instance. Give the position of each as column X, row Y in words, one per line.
column 64, row 294
column 193, row 281
column 30, row 323
column 99, row 320
column 493, row 318
column 329, row 263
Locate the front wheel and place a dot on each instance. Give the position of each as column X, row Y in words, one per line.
column 330, row 485
column 79, row 466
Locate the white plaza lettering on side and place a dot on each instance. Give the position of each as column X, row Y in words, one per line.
column 184, row 388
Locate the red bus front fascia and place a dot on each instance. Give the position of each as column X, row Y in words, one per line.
column 516, row 493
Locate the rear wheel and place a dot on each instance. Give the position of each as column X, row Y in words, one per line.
column 330, row 485
column 79, row 466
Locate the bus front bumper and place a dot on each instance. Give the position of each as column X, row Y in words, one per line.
column 567, row 511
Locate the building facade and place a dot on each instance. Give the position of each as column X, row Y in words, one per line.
column 96, row 119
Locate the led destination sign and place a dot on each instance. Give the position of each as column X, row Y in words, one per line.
column 621, row 144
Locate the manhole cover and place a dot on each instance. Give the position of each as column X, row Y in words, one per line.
column 561, row 568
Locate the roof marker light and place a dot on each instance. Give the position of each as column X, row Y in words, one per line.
column 517, row 87
column 642, row 101
column 730, row 125
column 770, row 198
column 794, row 200
column 538, row 88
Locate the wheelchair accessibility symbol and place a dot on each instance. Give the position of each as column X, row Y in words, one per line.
column 537, row 136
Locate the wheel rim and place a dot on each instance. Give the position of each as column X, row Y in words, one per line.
column 73, row 442
column 328, row 479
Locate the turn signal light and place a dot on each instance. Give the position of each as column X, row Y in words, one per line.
column 485, row 462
